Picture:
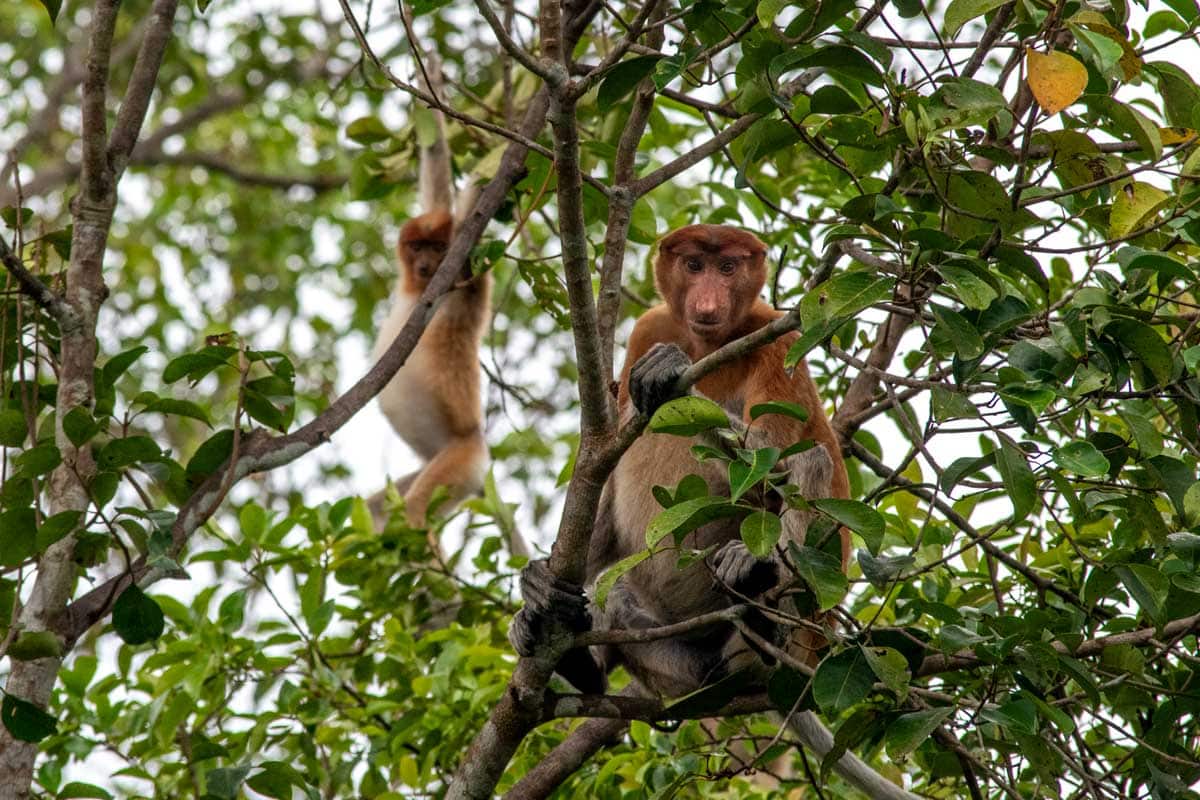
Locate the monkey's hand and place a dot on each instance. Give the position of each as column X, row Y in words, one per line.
column 652, row 379
column 742, row 571
column 548, row 601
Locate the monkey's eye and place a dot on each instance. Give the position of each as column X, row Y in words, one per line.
column 727, row 267
column 693, row 265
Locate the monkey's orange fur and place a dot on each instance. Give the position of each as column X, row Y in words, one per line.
column 433, row 402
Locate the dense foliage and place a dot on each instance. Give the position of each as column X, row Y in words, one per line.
column 985, row 212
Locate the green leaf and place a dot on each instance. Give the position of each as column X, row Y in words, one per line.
column 858, row 517
column 136, row 617
column 822, row 572
column 1082, row 458
column 685, row 517
column 743, row 477
column 963, row 467
column 687, row 416
column 842, row 680
column 56, row 527
column 195, row 366
column 32, row 645
column 891, row 667
column 883, row 570
column 12, row 428
column 120, row 453
column 622, row 79
column 960, row 12
column 908, row 731
column 1018, row 716
column 846, row 60
column 25, row 721
column 80, row 426
column 962, row 334
column 844, row 296
column 225, row 782
column 1145, row 343
column 275, row 780
column 1134, row 207
column 367, row 131
column 52, row 8
column 610, row 576
column 761, row 531
column 833, row 100
column 118, row 364
column 769, row 9
column 75, row 790
column 1129, row 121
column 1148, row 586
column 179, row 408
column 209, row 456
column 19, row 542
column 37, row 461
column 972, row 289
column 1018, row 478
column 782, row 407
column 232, row 611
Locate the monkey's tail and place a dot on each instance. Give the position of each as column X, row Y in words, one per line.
column 817, row 738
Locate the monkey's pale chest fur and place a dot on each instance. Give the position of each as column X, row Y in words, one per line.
column 427, row 402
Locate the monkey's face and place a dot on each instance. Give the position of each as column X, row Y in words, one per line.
column 710, row 276
column 713, row 292
column 421, row 259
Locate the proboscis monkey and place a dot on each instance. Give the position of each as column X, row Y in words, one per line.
column 709, row 277
column 434, row 401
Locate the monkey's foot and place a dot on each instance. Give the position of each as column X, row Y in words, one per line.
column 652, row 379
column 742, row 571
column 550, row 604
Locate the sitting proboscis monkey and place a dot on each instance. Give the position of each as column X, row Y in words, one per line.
column 709, row 277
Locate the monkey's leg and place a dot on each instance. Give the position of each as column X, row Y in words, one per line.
column 459, row 466
column 663, row 667
column 813, row 734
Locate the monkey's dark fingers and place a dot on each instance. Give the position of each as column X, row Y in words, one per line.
column 652, row 379
column 743, row 572
column 523, row 632
column 547, row 596
column 540, row 588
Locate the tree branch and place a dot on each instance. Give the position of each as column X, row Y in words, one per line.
column 141, row 85
column 94, row 177
column 31, row 285
column 936, row 664
column 215, row 163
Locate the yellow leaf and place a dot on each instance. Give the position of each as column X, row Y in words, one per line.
column 1134, row 207
column 1056, row 79
column 1176, row 135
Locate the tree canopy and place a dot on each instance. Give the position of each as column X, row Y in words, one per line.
column 983, row 219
